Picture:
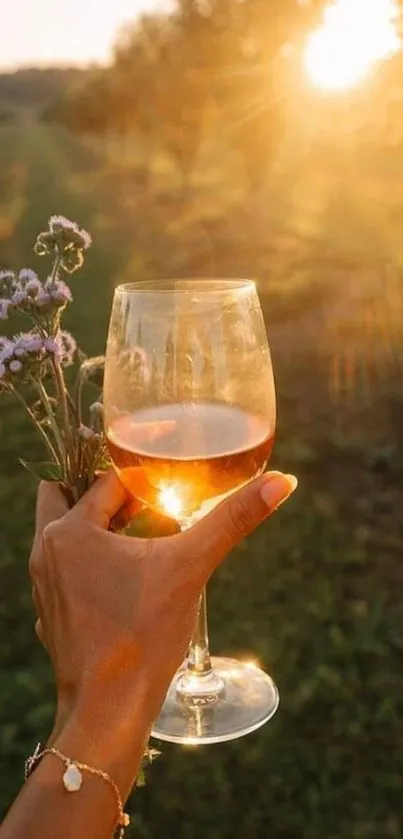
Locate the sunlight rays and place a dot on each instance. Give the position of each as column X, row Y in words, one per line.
column 354, row 35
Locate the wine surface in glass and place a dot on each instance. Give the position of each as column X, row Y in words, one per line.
column 182, row 459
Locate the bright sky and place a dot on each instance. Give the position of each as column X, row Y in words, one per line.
column 36, row 32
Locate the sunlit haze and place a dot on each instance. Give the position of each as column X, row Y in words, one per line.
column 354, row 35
column 37, row 32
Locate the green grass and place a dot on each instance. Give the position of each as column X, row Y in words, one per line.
column 316, row 594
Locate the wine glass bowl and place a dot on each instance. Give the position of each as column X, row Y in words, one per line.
column 190, row 416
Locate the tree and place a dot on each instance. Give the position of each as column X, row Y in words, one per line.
column 160, row 87
column 87, row 107
column 210, row 67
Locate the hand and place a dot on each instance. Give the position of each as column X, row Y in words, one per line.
column 116, row 614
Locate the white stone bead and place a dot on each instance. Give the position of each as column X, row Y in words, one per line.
column 72, row 778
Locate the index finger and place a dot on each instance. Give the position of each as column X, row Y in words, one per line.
column 51, row 504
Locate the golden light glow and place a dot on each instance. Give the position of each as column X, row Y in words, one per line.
column 252, row 665
column 170, row 502
column 355, row 34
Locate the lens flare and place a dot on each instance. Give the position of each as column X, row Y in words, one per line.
column 354, row 35
column 169, row 500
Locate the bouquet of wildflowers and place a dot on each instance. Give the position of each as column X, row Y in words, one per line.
column 33, row 364
column 33, row 369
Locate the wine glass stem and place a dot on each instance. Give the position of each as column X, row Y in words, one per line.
column 199, row 685
column 199, row 662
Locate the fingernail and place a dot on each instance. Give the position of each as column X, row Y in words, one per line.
column 277, row 489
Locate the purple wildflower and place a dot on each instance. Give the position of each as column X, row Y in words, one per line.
column 51, row 345
column 6, row 349
column 86, row 237
column 62, row 293
column 85, row 432
column 42, row 299
column 57, row 223
column 58, row 290
column 4, row 307
column 62, row 347
column 28, row 293
column 28, row 342
column 68, row 347
column 26, row 275
column 20, row 296
column 33, row 287
column 22, row 354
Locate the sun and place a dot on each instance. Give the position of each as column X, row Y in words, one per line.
column 354, row 35
column 169, row 500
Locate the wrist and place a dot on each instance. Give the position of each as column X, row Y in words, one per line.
column 108, row 728
column 108, row 701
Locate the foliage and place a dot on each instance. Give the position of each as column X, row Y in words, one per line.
column 223, row 72
column 316, row 594
column 85, row 106
column 207, row 68
column 35, row 88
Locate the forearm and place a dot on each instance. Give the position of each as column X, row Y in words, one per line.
column 110, row 736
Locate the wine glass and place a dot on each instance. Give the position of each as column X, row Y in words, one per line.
column 190, row 416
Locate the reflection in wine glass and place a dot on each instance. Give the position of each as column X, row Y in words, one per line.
column 190, row 417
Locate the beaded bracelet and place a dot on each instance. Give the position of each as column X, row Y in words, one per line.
column 73, row 779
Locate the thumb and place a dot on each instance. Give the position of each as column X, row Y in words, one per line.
column 215, row 535
column 101, row 503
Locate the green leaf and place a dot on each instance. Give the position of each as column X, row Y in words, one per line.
column 43, row 471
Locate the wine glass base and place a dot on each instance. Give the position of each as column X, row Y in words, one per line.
column 249, row 700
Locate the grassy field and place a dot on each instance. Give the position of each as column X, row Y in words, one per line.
column 317, row 593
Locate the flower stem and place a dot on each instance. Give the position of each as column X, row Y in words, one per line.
column 79, row 396
column 55, row 269
column 38, row 426
column 51, row 417
column 72, row 407
column 64, row 409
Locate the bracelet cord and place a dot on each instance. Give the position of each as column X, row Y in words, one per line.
column 73, row 780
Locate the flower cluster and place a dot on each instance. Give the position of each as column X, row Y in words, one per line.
column 37, row 359
column 28, row 355
column 67, row 240
column 28, row 295
column 25, row 293
column 67, row 347
column 32, row 367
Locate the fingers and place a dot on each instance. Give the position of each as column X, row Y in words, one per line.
column 39, row 631
column 39, row 626
column 126, row 514
column 51, row 505
column 238, row 516
column 40, row 634
column 36, row 600
column 101, row 503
